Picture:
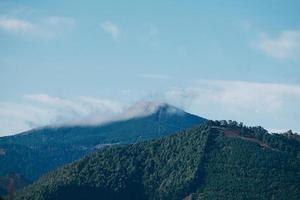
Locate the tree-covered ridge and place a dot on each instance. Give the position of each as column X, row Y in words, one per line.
column 138, row 171
column 252, row 165
column 204, row 162
column 38, row 151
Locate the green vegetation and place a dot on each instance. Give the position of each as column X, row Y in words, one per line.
column 36, row 152
column 12, row 182
column 215, row 160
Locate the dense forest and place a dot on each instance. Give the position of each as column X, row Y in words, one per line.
column 33, row 153
column 215, row 160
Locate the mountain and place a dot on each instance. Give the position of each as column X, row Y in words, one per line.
column 12, row 182
column 215, row 160
column 38, row 151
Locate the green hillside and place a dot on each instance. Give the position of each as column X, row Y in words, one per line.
column 38, row 151
column 216, row 160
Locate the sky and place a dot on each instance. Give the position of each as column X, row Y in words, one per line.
column 78, row 61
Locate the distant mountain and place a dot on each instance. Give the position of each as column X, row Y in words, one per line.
column 216, row 160
column 38, row 151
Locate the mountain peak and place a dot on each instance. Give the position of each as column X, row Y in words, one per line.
column 150, row 107
column 170, row 109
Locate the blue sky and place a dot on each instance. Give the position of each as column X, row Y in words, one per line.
column 63, row 61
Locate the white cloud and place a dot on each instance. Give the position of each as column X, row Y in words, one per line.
column 142, row 108
column 60, row 21
column 48, row 27
column 44, row 98
column 266, row 104
column 236, row 96
column 103, row 104
column 16, row 25
column 155, row 76
column 42, row 109
column 20, row 117
column 76, row 109
column 285, row 46
column 111, row 29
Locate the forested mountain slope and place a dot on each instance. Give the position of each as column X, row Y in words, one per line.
column 33, row 153
column 215, row 160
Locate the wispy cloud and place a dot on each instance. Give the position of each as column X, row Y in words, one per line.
column 59, row 21
column 112, row 29
column 237, row 96
column 268, row 104
column 155, row 76
column 16, row 25
column 20, row 117
column 286, row 45
column 75, row 109
column 41, row 110
column 48, row 27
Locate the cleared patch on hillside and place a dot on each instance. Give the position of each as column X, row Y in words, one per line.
column 233, row 133
column 236, row 134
